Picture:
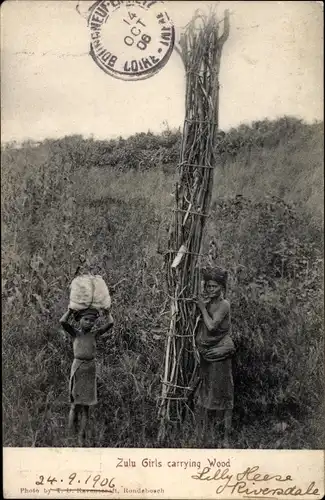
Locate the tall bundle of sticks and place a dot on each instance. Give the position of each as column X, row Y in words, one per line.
column 201, row 45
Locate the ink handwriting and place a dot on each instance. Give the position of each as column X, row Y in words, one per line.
column 92, row 480
column 244, row 483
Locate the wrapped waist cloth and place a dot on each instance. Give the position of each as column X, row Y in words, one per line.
column 83, row 383
column 223, row 349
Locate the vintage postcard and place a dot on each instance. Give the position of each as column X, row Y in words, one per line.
column 162, row 249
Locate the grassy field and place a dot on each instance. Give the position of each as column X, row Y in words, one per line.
column 109, row 203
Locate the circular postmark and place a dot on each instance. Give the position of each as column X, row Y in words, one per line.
column 130, row 39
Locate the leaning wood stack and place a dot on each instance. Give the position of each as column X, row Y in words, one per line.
column 201, row 45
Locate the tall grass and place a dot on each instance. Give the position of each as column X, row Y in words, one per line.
column 63, row 199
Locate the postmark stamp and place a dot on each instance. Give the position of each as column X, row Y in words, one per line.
column 130, row 40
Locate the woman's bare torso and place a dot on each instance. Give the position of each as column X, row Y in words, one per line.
column 205, row 337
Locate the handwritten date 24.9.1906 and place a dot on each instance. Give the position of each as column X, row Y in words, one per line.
column 92, row 480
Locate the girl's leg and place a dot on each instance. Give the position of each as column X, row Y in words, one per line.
column 73, row 417
column 205, row 426
column 83, row 424
column 201, row 424
column 215, row 423
column 227, row 423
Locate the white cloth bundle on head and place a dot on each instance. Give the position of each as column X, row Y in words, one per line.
column 89, row 291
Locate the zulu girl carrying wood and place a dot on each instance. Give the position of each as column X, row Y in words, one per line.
column 216, row 389
column 88, row 296
column 83, row 382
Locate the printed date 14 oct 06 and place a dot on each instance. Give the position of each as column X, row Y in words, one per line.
column 92, row 480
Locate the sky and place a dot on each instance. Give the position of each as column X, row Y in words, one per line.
column 272, row 65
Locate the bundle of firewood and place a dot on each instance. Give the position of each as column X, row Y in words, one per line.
column 201, row 45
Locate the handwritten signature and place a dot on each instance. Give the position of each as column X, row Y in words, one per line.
column 244, row 483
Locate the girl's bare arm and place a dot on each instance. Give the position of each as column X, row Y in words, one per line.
column 106, row 327
column 66, row 325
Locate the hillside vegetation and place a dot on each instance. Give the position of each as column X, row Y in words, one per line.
column 107, row 204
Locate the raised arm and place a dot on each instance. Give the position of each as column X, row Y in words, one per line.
column 212, row 322
column 106, row 327
column 66, row 325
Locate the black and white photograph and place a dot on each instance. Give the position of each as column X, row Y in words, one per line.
column 163, row 246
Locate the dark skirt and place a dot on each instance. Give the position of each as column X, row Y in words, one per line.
column 83, row 382
column 216, row 388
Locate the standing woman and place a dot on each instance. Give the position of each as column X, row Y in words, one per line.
column 216, row 389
